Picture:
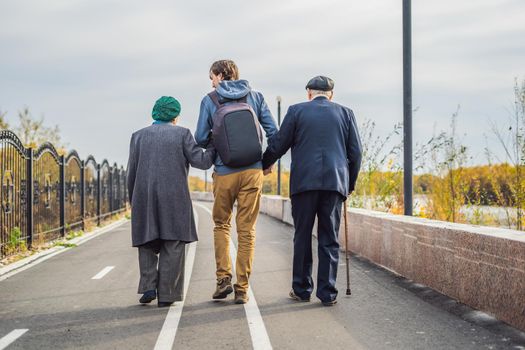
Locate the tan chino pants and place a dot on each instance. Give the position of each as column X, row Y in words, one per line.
column 245, row 187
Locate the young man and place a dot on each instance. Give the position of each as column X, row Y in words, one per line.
column 231, row 184
column 326, row 156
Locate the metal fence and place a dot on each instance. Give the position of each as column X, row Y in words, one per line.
column 44, row 194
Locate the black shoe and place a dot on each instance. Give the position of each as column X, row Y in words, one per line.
column 148, row 297
column 329, row 303
column 224, row 287
column 164, row 304
column 298, row 298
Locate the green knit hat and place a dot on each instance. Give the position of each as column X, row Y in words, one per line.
column 166, row 109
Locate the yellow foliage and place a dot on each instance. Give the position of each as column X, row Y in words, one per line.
column 270, row 183
column 197, row 184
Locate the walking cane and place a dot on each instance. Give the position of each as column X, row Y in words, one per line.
column 348, row 291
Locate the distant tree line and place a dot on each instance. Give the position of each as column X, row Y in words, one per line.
column 446, row 180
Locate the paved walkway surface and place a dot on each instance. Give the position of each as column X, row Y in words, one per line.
column 85, row 298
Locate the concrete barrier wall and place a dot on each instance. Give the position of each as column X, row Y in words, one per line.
column 272, row 206
column 482, row 267
column 287, row 212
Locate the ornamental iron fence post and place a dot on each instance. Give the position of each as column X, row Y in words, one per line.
column 82, row 195
column 62, row 194
column 99, row 190
column 30, row 196
column 110, row 190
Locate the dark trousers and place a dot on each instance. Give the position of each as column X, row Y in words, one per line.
column 326, row 205
column 168, row 278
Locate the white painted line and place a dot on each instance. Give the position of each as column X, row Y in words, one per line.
column 260, row 339
column 258, row 333
column 103, row 273
column 11, row 337
column 171, row 323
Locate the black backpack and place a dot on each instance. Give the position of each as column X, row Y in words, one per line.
column 237, row 134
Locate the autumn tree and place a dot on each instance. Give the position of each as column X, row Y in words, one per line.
column 33, row 132
column 3, row 123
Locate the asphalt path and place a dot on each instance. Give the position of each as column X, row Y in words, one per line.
column 85, row 298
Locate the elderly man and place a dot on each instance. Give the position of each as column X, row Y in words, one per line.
column 326, row 156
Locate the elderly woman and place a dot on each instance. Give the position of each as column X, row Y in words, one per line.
column 161, row 211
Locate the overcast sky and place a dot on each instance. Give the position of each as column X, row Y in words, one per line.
column 95, row 67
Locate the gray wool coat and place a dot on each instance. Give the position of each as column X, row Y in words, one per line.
column 158, row 165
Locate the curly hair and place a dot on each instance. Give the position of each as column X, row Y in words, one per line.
column 227, row 68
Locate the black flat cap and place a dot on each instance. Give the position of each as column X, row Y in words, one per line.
column 320, row 83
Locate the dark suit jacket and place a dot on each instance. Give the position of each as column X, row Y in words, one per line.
column 326, row 149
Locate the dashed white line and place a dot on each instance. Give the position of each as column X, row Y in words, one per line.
column 11, row 337
column 258, row 333
column 103, row 273
column 171, row 323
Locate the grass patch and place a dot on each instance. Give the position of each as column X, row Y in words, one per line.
column 65, row 244
column 16, row 248
column 74, row 234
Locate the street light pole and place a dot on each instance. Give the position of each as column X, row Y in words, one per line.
column 279, row 161
column 407, row 106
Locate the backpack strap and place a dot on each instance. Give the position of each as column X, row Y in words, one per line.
column 215, row 98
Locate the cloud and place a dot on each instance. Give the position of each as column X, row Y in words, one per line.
column 96, row 68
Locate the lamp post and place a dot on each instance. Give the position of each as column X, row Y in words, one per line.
column 407, row 106
column 279, row 161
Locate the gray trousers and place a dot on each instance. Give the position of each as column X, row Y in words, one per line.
column 168, row 278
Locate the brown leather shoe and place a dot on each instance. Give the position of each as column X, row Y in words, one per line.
column 241, row 298
column 224, row 287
